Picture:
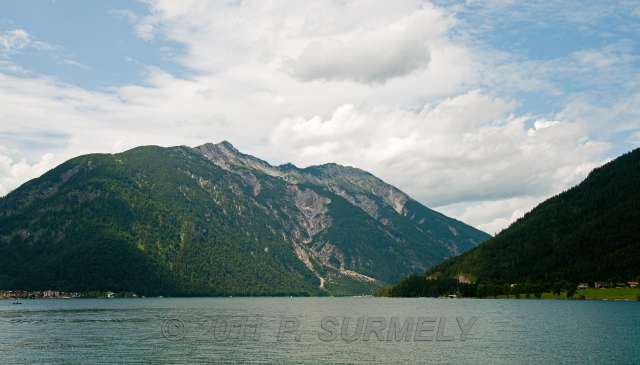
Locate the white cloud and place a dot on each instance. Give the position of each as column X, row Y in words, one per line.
column 492, row 216
column 588, row 70
column 14, row 173
column 125, row 14
column 620, row 116
column 469, row 150
column 14, row 39
column 594, row 58
column 18, row 39
column 604, row 58
column 311, row 40
column 634, row 139
column 376, row 55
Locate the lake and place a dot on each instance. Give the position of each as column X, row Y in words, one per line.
column 319, row 330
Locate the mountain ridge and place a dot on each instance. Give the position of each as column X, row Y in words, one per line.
column 211, row 220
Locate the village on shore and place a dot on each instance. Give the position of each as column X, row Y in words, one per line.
column 56, row 294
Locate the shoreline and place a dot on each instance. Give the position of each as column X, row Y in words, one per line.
column 336, row 297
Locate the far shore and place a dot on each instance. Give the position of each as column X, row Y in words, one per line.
column 602, row 294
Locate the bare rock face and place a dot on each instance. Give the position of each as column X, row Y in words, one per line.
column 252, row 181
column 360, row 200
column 308, row 220
column 313, row 210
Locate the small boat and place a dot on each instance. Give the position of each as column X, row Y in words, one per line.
column 16, row 302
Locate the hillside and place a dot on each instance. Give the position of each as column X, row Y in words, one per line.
column 589, row 233
column 211, row 220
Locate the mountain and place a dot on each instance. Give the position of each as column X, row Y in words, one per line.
column 211, row 220
column 589, row 233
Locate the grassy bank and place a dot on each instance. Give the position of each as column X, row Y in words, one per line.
column 592, row 294
column 610, row 293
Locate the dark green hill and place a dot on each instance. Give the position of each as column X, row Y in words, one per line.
column 589, row 233
column 213, row 221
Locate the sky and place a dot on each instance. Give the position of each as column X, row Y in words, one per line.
column 478, row 109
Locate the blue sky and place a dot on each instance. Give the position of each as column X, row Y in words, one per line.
column 480, row 109
column 93, row 46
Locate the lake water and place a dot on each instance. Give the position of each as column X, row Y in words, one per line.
column 292, row 331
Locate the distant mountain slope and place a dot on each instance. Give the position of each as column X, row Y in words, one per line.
column 213, row 221
column 590, row 232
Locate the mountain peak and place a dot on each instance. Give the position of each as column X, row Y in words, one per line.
column 219, row 151
column 288, row 166
column 223, row 146
column 226, row 156
column 226, row 144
